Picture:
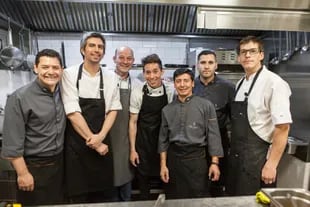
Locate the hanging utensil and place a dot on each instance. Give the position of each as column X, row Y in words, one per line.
column 276, row 59
column 306, row 46
column 30, row 58
column 287, row 55
column 11, row 56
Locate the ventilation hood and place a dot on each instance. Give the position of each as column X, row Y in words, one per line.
column 183, row 17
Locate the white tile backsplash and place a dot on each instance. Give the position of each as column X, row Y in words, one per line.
column 170, row 49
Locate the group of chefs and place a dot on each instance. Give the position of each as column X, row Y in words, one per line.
column 81, row 135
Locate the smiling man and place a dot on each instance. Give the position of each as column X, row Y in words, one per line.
column 91, row 101
column 146, row 103
column 189, row 128
column 260, row 117
column 33, row 133
column 123, row 170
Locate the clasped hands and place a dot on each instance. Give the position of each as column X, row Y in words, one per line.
column 95, row 142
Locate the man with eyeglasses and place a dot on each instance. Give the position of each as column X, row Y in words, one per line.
column 220, row 92
column 260, row 122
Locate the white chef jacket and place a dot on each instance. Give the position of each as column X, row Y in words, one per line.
column 89, row 88
column 268, row 102
column 137, row 95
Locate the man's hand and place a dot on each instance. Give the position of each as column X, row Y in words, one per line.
column 102, row 149
column 134, row 158
column 94, row 141
column 214, row 172
column 269, row 173
column 25, row 182
column 164, row 174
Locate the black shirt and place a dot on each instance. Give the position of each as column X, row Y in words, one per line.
column 192, row 123
column 34, row 122
column 221, row 93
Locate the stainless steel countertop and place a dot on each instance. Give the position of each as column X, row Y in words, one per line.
column 242, row 201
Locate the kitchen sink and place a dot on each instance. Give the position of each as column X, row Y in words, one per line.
column 288, row 197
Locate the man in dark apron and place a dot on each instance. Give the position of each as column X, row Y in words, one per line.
column 123, row 170
column 260, row 115
column 221, row 93
column 33, row 135
column 145, row 117
column 189, row 126
column 91, row 99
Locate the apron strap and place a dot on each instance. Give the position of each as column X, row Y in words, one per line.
column 101, row 86
column 251, row 87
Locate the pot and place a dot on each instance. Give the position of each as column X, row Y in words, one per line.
column 11, row 56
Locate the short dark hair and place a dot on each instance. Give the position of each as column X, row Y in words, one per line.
column 206, row 52
column 48, row 53
column 153, row 58
column 181, row 71
column 88, row 35
column 248, row 39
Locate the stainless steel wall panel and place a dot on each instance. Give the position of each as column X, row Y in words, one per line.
column 255, row 19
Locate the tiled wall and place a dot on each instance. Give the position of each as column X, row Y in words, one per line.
column 171, row 50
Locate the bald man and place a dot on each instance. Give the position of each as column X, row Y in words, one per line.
column 123, row 174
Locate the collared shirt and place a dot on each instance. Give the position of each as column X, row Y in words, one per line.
column 191, row 123
column 221, row 93
column 128, row 82
column 34, row 122
column 268, row 103
column 137, row 95
column 89, row 88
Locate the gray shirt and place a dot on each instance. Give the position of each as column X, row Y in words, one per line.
column 192, row 123
column 34, row 122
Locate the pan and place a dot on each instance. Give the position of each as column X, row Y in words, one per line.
column 11, row 56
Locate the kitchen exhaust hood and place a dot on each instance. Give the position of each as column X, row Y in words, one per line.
column 178, row 17
column 253, row 19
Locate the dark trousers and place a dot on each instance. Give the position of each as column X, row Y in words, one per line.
column 124, row 192
column 48, row 173
column 145, row 184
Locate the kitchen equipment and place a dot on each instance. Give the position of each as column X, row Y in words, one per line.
column 11, row 56
column 288, row 197
column 1, row 119
column 306, row 45
column 160, row 200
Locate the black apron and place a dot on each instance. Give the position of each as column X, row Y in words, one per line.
column 248, row 151
column 148, row 131
column 188, row 172
column 48, row 181
column 123, row 171
column 87, row 170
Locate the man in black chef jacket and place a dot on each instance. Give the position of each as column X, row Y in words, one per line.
column 91, row 100
column 221, row 93
column 188, row 126
column 33, row 133
column 260, row 122
column 146, row 103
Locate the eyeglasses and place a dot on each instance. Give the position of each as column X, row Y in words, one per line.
column 252, row 51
